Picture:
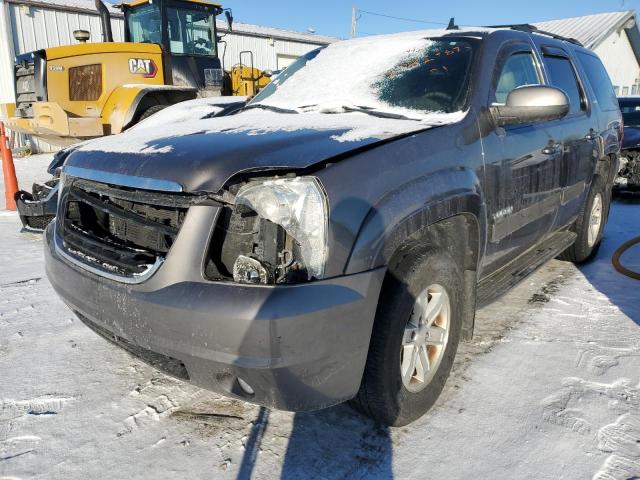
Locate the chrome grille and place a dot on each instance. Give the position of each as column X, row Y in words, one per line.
column 119, row 231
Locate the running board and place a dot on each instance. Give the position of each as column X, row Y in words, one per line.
column 497, row 284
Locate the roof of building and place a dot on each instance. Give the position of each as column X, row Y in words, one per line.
column 240, row 28
column 590, row 30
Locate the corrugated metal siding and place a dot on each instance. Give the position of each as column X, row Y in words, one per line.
column 7, row 92
column 265, row 50
column 590, row 30
column 34, row 27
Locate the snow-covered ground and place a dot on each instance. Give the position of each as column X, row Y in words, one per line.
column 548, row 389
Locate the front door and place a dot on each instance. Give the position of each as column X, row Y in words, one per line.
column 522, row 167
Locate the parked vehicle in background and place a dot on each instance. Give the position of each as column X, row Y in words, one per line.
column 332, row 240
column 629, row 174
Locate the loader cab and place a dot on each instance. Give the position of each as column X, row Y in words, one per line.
column 186, row 30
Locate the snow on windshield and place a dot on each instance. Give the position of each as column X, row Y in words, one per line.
column 350, row 73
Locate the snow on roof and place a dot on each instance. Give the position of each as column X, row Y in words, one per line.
column 590, row 30
column 84, row 5
column 271, row 32
column 238, row 28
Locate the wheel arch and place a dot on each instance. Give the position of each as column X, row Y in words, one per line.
column 424, row 202
column 456, row 224
column 607, row 167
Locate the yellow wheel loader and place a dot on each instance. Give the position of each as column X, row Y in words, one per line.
column 170, row 54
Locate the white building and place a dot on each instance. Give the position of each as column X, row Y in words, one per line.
column 614, row 37
column 27, row 25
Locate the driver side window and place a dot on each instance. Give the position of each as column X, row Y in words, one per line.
column 519, row 70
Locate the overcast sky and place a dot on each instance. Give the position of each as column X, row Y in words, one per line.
column 333, row 17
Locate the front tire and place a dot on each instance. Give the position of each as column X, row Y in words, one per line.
column 590, row 225
column 151, row 111
column 415, row 338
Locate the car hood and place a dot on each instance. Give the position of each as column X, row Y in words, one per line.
column 203, row 154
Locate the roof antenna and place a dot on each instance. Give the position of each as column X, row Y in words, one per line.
column 452, row 25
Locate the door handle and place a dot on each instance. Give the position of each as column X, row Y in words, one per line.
column 551, row 149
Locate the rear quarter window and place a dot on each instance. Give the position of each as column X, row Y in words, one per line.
column 599, row 80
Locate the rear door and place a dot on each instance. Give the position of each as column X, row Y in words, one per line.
column 522, row 167
column 579, row 131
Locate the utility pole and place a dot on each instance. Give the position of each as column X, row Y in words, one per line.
column 354, row 21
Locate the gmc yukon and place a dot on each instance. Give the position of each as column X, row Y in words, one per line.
column 332, row 240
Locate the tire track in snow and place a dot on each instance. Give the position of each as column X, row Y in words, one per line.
column 621, row 438
column 17, row 446
column 44, row 405
column 159, row 397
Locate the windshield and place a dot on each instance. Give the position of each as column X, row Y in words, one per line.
column 630, row 112
column 401, row 74
column 191, row 30
column 144, row 24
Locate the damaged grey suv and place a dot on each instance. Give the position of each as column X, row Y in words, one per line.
column 331, row 240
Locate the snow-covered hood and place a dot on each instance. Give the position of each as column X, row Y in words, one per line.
column 203, row 154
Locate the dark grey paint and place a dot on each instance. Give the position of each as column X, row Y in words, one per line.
column 305, row 346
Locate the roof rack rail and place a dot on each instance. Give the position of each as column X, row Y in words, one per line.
column 528, row 28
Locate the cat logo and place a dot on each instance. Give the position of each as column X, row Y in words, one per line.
column 143, row 66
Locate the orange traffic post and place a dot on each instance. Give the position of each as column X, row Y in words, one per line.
column 8, row 170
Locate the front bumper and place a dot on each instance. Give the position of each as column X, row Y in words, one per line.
column 299, row 347
column 38, row 208
column 53, row 124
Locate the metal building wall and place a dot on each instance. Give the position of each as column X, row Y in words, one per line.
column 265, row 50
column 6, row 56
column 35, row 27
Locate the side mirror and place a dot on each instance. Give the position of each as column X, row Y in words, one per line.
column 229, row 16
column 531, row 104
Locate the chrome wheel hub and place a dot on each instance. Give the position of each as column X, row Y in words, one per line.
column 595, row 221
column 425, row 338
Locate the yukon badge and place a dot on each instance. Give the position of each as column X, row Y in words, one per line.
column 143, row 66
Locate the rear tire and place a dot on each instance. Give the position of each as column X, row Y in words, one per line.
column 589, row 225
column 386, row 394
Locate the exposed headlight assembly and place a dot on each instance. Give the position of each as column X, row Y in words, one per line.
column 276, row 232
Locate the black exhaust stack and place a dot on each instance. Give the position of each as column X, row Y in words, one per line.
column 105, row 17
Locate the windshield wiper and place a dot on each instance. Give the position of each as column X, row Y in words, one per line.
column 377, row 113
column 271, row 108
column 361, row 109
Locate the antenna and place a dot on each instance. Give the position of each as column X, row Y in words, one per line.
column 452, row 24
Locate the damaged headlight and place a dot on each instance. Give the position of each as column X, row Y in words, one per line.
column 273, row 232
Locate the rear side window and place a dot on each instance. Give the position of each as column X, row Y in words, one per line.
column 519, row 70
column 563, row 76
column 599, row 81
